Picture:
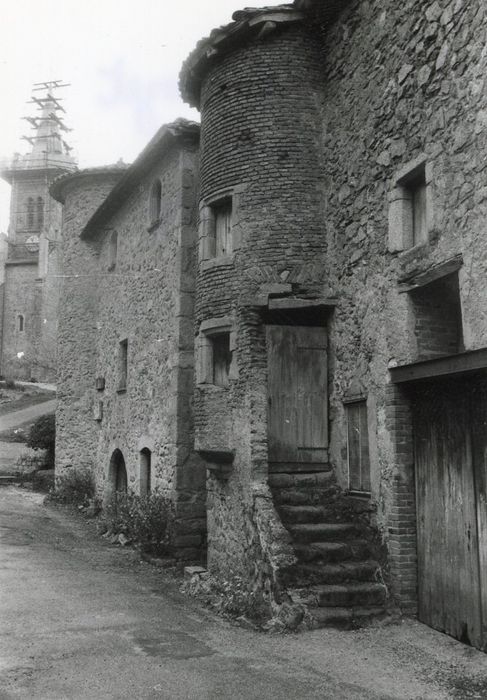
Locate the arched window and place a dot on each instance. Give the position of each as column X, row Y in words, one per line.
column 20, row 322
column 30, row 213
column 155, row 202
column 145, row 471
column 112, row 251
column 40, row 212
column 117, row 473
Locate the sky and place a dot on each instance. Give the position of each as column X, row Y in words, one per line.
column 122, row 58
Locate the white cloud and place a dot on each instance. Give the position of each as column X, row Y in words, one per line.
column 122, row 58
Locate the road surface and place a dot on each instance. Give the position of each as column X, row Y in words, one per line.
column 80, row 618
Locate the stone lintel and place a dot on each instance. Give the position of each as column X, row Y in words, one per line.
column 287, row 303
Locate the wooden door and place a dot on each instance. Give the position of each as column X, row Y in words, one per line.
column 449, row 578
column 297, row 398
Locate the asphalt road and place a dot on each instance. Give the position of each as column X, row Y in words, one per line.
column 80, row 618
column 16, row 418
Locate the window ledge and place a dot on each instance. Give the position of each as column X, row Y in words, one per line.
column 155, row 224
column 121, row 390
column 223, row 261
column 207, row 386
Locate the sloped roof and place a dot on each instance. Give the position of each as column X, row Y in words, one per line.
column 179, row 130
column 248, row 23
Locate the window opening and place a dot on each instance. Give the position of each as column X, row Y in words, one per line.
column 112, row 251
column 358, row 446
column 20, row 320
column 40, row 212
column 222, row 358
column 123, row 364
column 155, row 202
column 30, row 213
column 417, row 191
column 145, row 471
column 223, row 228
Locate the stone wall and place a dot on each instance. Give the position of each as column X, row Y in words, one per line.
column 312, row 127
column 142, row 293
column 20, row 298
column 76, row 437
column 399, row 82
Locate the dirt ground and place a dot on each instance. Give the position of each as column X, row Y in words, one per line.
column 80, row 618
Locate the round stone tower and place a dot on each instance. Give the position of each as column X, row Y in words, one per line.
column 257, row 84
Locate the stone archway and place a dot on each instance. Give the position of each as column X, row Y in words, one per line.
column 117, row 473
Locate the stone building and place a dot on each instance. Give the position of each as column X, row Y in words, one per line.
column 29, row 277
column 126, row 344
column 339, row 286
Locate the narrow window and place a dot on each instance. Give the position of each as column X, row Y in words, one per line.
column 358, row 446
column 30, row 213
column 155, row 202
column 20, row 322
column 417, row 190
column 223, row 228
column 145, row 472
column 122, row 364
column 40, row 212
column 112, row 251
column 222, row 358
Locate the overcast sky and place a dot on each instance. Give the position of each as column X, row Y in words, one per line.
column 122, row 58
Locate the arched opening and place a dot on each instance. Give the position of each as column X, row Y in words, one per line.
column 155, row 202
column 20, row 322
column 145, row 471
column 40, row 212
column 117, row 473
column 30, row 213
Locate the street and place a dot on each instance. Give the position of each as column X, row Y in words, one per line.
column 80, row 618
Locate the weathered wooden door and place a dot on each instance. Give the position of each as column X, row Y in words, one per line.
column 297, row 398
column 450, row 457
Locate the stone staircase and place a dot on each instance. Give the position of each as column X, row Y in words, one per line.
column 337, row 575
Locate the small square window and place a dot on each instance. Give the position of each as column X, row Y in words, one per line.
column 222, row 358
column 358, row 446
column 122, row 365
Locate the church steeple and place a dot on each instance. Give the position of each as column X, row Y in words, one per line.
column 49, row 148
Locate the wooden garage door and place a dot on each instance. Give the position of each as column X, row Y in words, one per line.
column 450, row 458
column 297, row 398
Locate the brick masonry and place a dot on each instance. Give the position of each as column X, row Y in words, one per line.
column 313, row 122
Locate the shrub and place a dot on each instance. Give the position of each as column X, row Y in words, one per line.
column 42, row 436
column 74, row 487
column 144, row 519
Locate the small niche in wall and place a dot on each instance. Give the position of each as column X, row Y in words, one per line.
column 98, row 411
column 100, row 383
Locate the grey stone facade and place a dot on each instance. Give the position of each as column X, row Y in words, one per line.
column 129, row 279
column 319, row 127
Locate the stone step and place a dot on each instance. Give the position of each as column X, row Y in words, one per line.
column 301, row 575
column 347, row 618
column 301, row 479
column 362, row 594
column 314, row 495
column 332, row 552
column 301, row 514
column 324, row 532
